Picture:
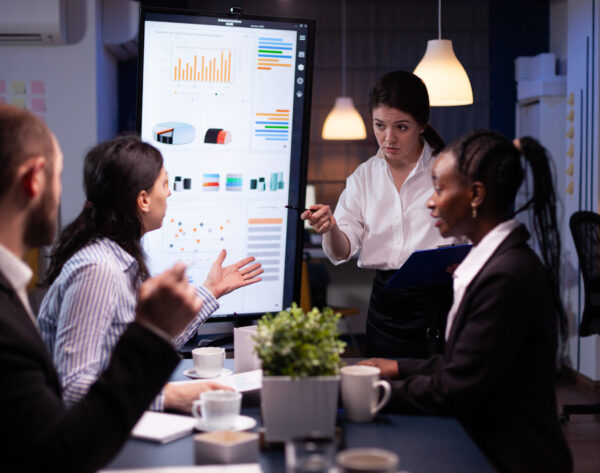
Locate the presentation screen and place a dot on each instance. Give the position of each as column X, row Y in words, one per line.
column 227, row 102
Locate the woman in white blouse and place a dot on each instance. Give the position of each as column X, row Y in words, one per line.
column 382, row 214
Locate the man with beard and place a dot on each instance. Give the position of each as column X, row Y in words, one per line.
column 36, row 432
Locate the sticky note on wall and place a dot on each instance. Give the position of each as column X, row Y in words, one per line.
column 18, row 87
column 38, row 104
column 18, row 102
column 38, row 87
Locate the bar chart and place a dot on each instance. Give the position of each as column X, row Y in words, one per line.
column 272, row 53
column 273, row 126
column 265, row 239
column 201, row 64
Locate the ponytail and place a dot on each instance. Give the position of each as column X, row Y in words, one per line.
column 434, row 140
column 545, row 225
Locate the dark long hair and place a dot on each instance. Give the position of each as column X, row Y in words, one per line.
column 114, row 173
column 405, row 91
column 491, row 158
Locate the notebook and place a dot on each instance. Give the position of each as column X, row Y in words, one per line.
column 161, row 427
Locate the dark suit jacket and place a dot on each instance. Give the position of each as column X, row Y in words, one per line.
column 37, row 434
column 498, row 369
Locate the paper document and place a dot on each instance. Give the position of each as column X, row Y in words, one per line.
column 162, row 427
column 238, row 468
column 242, row 382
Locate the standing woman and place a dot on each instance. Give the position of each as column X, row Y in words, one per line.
column 497, row 373
column 98, row 264
column 382, row 214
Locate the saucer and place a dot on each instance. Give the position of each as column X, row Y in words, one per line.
column 191, row 373
column 241, row 423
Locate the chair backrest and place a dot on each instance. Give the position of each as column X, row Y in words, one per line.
column 585, row 228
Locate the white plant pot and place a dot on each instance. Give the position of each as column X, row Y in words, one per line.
column 299, row 407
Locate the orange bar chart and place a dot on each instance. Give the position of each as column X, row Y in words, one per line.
column 212, row 66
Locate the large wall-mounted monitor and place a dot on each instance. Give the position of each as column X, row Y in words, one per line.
column 226, row 99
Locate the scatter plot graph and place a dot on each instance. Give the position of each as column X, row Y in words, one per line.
column 186, row 231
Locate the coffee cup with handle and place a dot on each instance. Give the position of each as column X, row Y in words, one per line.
column 360, row 392
column 218, row 409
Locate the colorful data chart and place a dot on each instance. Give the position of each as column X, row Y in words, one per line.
column 173, row 133
column 217, row 136
column 234, row 182
column 201, row 65
column 182, row 183
column 276, row 182
column 273, row 126
column 210, row 182
column 273, row 53
column 195, row 232
column 265, row 243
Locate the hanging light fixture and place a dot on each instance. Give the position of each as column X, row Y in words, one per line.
column 344, row 122
column 446, row 80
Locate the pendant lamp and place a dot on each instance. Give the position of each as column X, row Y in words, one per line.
column 344, row 122
column 445, row 77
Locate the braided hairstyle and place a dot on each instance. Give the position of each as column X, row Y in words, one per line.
column 406, row 92
column 494, row 160
column 114, row 173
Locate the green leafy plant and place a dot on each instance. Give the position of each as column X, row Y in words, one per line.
column 299, row 344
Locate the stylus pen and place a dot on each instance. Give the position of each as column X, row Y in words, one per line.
column 295, row 207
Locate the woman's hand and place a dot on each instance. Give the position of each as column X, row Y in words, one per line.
column 388, row 368
column 320, row 218
column 179, row 397
column 222, row 280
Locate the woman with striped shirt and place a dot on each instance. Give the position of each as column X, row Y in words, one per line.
column 98, row 264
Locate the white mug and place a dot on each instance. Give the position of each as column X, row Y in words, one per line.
column 360, row 391
column 208, row 361
column 219, row 409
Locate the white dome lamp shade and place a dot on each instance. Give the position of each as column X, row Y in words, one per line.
column 444, row 76
column 344, row 122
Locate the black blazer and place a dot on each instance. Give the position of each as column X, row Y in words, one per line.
column 498, row 368
column 36, row 432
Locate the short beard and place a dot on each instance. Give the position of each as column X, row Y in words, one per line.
column 40, row 227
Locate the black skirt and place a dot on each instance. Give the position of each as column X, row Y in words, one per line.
column 407, row 322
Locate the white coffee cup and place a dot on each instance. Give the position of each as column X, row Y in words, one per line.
column 367, row 460
column 208, row 361
column 360, row 392
column 218, row 409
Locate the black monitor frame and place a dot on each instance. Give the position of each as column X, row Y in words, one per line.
column 298, row 169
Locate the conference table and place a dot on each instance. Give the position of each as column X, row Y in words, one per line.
column 425, row 444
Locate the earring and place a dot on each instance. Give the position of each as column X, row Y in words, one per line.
column 474, row 211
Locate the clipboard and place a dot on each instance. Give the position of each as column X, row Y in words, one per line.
column 428, row 266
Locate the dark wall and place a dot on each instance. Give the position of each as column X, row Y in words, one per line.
column 517, row 28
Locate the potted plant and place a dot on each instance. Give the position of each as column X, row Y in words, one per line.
column 300, row 354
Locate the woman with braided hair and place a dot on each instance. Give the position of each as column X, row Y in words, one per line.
column 498, row 368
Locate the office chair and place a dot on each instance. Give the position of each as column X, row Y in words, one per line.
column 585, row 229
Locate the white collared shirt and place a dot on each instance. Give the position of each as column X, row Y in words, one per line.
column 18, row 275
column 474, row 262
column 385, row 225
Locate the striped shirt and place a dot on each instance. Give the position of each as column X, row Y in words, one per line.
column 87, row 309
